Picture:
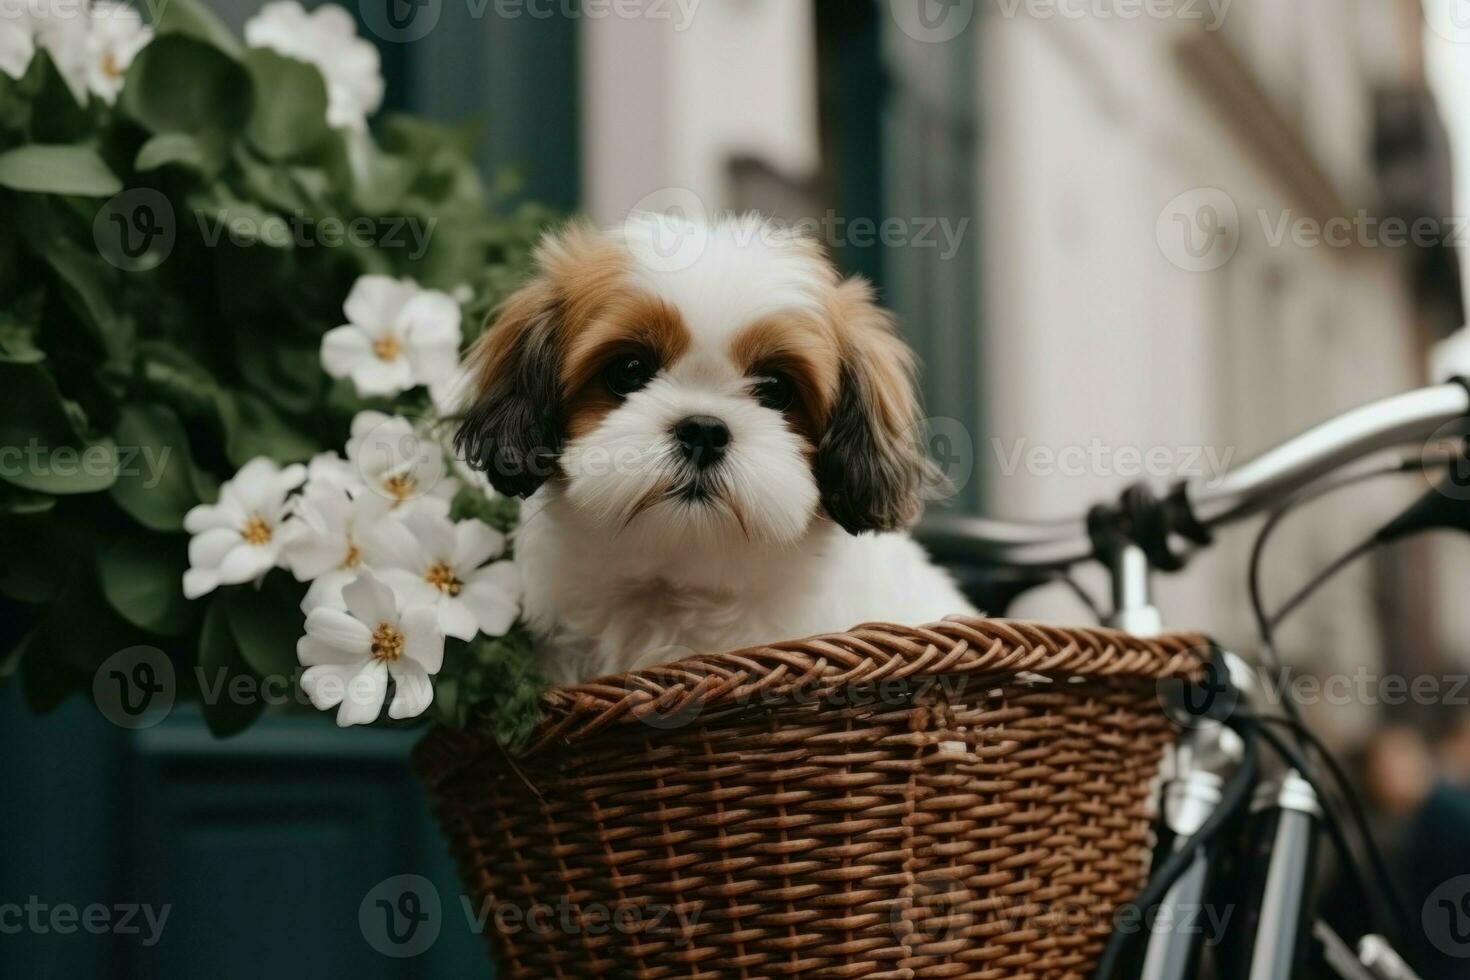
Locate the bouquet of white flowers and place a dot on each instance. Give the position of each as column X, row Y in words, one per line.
column 231, row 320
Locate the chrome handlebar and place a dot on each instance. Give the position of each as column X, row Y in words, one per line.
column 1261, row 483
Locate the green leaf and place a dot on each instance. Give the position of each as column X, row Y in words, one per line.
column 155, row 482
column 193, row 19
column 290, row 115
column 74, row 170
column 142, row 577
column 220, row 663
column 36, row 559
column 266, row 623
column 90, row 290
column 253, row 428
column 41, row 445
column 224, row 218
column 194, row 153
column 178, row 84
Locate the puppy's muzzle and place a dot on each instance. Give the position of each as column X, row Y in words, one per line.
column 703, row 439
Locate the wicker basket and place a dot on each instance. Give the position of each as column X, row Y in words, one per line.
column 968, row 799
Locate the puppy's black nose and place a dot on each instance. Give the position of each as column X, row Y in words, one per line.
column 703, row 439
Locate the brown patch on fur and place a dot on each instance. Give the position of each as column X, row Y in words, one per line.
column 805, row 349
column 629, row 322
column 871, row 466
column 516, row 426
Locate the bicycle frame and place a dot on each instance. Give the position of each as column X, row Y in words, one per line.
column 1182, row 524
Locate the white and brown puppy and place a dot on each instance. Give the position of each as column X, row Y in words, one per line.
column 705, row 443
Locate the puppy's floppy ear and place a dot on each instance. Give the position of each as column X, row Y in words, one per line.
column 513, row 430
column 870, row 465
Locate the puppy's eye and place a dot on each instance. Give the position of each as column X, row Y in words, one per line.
column 775, row 392
column 629, row 373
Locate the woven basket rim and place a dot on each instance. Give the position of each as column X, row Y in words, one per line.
column 816, row 666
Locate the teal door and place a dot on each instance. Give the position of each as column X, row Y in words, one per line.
column 166, row 853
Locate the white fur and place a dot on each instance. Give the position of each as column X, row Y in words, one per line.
column 759, row 561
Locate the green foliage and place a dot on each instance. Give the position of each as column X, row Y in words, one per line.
column 165, row 282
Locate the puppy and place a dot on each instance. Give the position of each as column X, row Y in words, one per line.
column 718, row 439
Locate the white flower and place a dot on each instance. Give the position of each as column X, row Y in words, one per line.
column 241, row 537
column 62, row 29
column 17, row 38
column 395, row 461
column 428, row 559
column 117, row 35
column 350, row 654
column 326, row 38
column 329, row 471
column 397, row 336
column 326, row 550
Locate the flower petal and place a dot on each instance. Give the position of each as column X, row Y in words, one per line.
column 370, row 600
column 246, row 563
column 475, row 543
column 375, row 302
column 363, row 700
column 200, row 581
column 343, row 349
column 326, row 685
column 337, row 638
column 413, row 691
column 423, row 640
column 379, row 377
column 495, row 610
column 456, row 619
column 206, row 517
column 390, row 544
column 208, row 549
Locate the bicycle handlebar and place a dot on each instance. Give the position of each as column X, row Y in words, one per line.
column 1267, row 480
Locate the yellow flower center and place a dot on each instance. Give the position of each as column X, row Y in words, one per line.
column 387, row 643
column 353, row 558
column 401, row 486
column 257, row 530
column 110, row 67
column 441, row 577
column 387, row 347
